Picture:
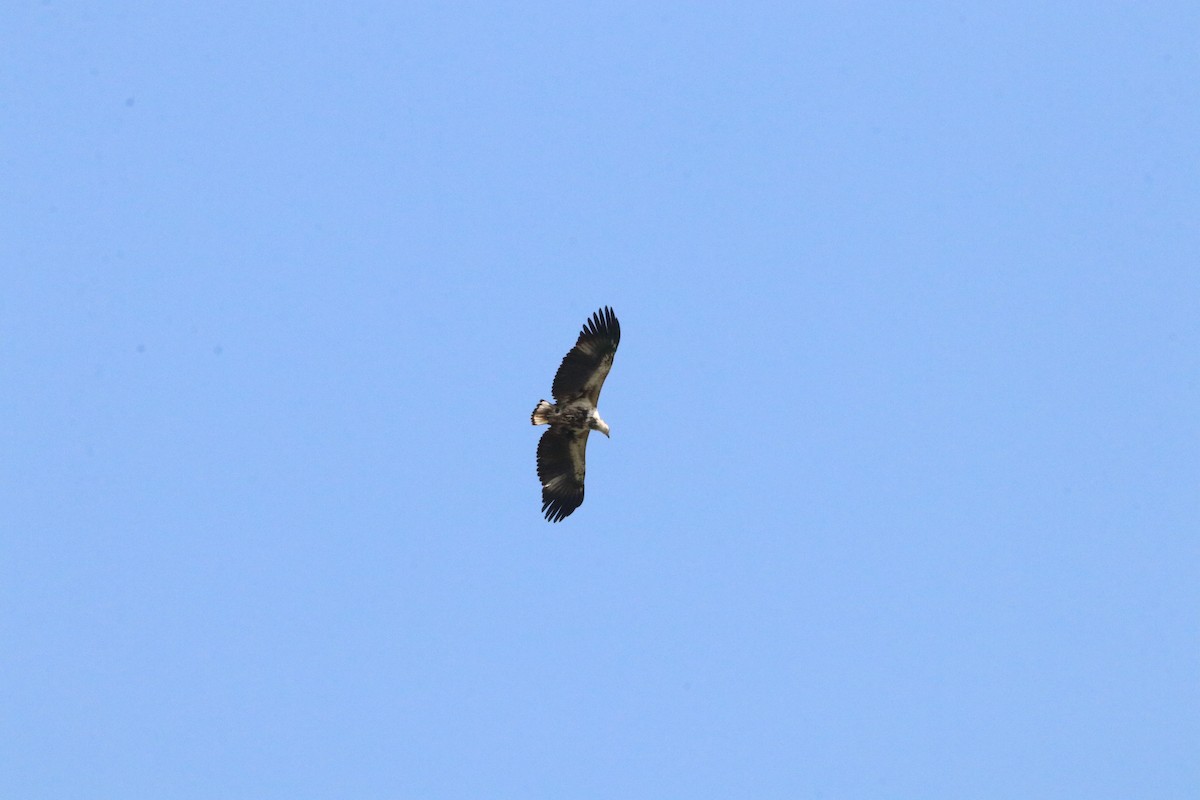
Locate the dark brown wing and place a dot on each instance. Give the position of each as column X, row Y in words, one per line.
column 584, row 369
column 560, row 467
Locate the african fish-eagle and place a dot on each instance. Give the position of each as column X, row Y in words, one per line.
column 576, row 389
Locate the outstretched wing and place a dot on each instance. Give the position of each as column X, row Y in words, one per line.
column 584, row 369
column 560, row 467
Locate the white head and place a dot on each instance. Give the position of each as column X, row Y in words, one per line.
column 597, row 424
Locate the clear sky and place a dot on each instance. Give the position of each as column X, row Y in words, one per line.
column 902, row 498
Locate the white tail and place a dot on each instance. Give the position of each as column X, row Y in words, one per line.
column 541, row 413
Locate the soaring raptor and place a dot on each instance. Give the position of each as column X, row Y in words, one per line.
column 576, row 390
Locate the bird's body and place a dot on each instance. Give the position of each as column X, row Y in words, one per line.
column 562, row 449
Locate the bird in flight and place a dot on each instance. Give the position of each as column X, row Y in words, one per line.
column 576, row 390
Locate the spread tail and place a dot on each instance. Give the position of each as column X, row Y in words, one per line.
column 541, row 413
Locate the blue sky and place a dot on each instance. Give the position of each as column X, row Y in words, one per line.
column 901, row 498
